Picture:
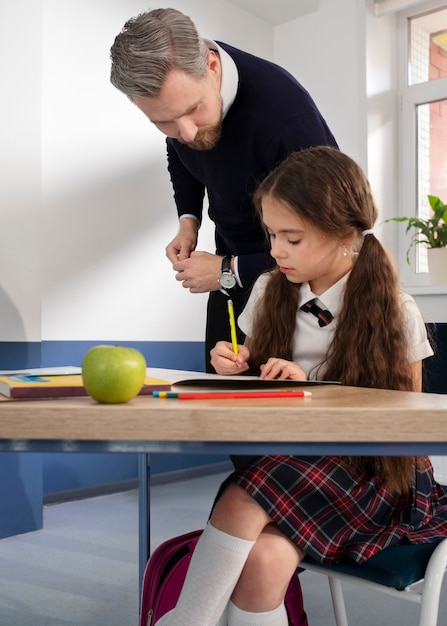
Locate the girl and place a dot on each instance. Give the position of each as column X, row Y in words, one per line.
column 318, row 212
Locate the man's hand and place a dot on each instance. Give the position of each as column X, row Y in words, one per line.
column 200, row 272
column 184, row 242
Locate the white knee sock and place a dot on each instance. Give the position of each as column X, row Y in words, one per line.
column 214, row 570
column 238, row 617
column 165, row 620
column 223, row 621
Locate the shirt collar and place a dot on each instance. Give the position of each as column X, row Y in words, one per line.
column 230, row 76
column 331, row 299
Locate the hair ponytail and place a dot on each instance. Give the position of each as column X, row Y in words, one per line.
column 274, row 325
column 369, row 348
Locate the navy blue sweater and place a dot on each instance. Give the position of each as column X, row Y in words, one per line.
column 271, row 116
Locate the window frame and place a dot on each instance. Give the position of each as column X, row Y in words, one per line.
column 410, row 96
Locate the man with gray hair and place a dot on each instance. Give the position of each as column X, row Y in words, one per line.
column 229, row 118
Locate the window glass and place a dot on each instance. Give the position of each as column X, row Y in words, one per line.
column 431, row 161
column 428, row 47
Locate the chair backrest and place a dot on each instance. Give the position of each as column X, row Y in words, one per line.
column 435, row 367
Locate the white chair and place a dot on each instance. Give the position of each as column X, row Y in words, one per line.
column 394, row 571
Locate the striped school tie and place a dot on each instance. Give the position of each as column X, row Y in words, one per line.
column 324, row 316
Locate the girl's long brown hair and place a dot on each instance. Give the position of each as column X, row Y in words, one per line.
column 369, row 348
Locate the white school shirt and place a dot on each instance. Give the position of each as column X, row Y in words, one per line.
column 311, row 340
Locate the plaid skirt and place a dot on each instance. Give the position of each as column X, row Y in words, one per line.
column 333, row 514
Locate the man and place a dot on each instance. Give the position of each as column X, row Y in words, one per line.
column 229, row 118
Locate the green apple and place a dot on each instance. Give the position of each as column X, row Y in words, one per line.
column 113, row 374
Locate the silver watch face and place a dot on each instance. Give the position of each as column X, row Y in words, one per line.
column 227, row 280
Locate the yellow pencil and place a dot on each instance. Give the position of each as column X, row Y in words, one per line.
column 232, row 327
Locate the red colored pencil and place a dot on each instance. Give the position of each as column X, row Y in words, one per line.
column 218, row 395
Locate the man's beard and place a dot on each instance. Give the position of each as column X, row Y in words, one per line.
column 205, row 140
column 208, row 137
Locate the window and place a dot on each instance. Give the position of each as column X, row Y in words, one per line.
column 423, row 127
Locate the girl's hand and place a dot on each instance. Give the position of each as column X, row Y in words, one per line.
column 225, row 362
column 282, row 370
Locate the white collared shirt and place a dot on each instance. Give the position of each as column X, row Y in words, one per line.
column 311, row 340
column 229, row 78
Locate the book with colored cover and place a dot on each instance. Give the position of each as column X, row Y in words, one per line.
column 59, row 383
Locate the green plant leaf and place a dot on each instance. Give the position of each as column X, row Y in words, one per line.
column 431, row 232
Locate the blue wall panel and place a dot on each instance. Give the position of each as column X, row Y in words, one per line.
column 181, row 355
column 19, row 354
column 20, row 474
column 20, row 493
column 62, row 472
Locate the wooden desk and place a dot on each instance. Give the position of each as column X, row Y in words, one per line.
column 333, row 414
column 335, row 420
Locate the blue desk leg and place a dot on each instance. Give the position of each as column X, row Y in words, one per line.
column 144, row 519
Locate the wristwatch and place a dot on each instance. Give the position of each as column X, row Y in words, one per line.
column 227, row 279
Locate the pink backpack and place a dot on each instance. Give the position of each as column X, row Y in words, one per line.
column 166, row 570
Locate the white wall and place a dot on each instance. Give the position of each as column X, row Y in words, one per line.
column 382, row 97
column 108, row 202
column 346, row 57
column 84, row 190
column 325, row 50
column 20, row 183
